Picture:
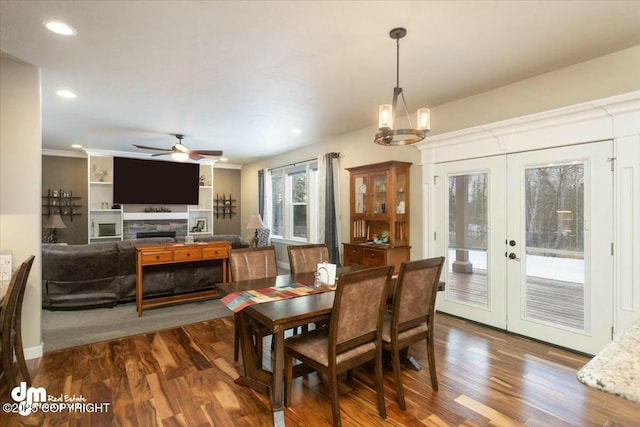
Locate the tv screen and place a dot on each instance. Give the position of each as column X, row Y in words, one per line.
column 155, row 182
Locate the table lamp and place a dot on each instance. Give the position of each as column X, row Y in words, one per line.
column 53, row 223
column 255, row 222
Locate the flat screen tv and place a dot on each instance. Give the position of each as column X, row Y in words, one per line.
column 155, row 182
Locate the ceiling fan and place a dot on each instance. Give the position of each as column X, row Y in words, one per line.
column 181, row 152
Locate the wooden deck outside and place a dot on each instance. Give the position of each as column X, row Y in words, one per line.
column 555, row 301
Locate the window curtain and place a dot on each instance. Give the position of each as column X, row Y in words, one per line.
column 331, row 205
column 264, row 197
column 261, row 193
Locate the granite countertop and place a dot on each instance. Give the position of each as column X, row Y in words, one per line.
column 616, row 369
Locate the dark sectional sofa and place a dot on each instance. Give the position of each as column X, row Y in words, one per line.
column 76, row 277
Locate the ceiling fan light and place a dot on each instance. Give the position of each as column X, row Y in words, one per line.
column 385, row 117
column 424, row 119
column 181, row 148
column 179, row 156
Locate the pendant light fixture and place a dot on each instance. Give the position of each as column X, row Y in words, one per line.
column 387, row 135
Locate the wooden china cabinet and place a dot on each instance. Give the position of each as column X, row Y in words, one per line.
column 379, row 215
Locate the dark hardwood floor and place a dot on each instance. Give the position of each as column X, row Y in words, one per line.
column 185, row 377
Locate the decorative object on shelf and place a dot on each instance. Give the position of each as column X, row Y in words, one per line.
column 387, row 135
column 224, row 206
column 51, row 226
column 200, row 225
column 202, row 179
column 107, row 230
column 255, row 223
column 60, row 202
column 99, row 173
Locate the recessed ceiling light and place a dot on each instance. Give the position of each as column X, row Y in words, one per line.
column 296, row 130
column 65, row 93
column 60, row 28
column 78, row 146
column 223, row 159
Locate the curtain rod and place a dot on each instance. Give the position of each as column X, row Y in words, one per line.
column 302, row 161
column 293, row 164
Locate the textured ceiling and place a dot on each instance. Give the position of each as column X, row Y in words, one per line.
column 238, row 76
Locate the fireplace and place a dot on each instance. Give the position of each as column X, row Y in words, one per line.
column 147, row 234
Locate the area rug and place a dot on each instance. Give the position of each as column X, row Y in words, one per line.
column 616, row 369
column 64, row 329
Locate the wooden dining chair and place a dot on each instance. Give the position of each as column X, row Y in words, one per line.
column 14, row 366
column 352, row 338
column 411, row 317
column 249, row 264
column 305, row 258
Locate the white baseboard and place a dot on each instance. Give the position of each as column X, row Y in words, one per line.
column 34, row 352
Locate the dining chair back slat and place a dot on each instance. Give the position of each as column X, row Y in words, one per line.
column 411, row 319
column 250, row 264
column 14, row 366
column 305, row 258
column 352, row 338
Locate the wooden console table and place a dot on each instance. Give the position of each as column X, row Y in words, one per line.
column 176, row 253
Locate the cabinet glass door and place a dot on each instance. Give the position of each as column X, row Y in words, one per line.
column 360, row 193
column 379, row 193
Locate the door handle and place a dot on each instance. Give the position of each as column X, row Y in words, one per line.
column 512, row 256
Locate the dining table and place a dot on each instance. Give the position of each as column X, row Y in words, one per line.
column 278, row 316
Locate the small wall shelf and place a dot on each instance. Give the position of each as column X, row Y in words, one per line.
column 61, row 202
column 224, row 206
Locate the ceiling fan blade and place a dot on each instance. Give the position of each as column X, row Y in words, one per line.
column 160, row 154
column 208, row 152
column 193, row 155
column 151, row 148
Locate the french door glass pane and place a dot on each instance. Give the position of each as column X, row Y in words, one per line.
column 554, row 205
column 468, row 220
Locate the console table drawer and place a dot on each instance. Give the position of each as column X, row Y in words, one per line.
column 188, row 254
column 221, row 252
column 159, row 257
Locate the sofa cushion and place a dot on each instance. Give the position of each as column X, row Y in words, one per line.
column 236, row 240
column 80, row 270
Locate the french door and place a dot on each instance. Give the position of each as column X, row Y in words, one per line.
column 528, row 242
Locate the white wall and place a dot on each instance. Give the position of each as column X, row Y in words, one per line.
column 609, row 75
column 20, row 184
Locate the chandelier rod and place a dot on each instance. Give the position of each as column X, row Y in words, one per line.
column 398, row 62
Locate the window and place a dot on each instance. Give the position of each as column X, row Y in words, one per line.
column 294, row 203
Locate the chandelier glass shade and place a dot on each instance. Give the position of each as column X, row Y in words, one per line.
column 386, row 134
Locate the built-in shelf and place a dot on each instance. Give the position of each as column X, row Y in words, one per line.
column 198, row 218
